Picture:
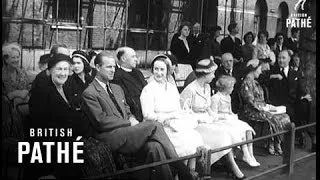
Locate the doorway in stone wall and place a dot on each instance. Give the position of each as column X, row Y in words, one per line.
column 260, row 16
column 283, row 14
column 209, row 14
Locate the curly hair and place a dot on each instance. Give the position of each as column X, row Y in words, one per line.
column 225, row 82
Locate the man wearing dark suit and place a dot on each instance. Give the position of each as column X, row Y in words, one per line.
column 119, row 128
column 229, row 68
column 197, row 43
column 293, row 42
column 214, row 45
column 231, row 43
column 130, row 79
column 279, row 46
column 286, row 88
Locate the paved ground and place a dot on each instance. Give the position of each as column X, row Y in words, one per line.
column 303, row 170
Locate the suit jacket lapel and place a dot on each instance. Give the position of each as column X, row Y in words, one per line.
column 118, row 99
column 103, row 94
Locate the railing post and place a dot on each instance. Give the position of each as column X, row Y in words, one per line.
column 207, row 168
column 288, row 152
column 203, row 163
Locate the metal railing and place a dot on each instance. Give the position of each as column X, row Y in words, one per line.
column 288, row 159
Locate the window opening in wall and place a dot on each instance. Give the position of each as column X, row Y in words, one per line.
column 139, row 24
column 67, row 10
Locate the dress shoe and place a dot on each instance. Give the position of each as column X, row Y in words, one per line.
column 278, row 149
column 251, row 162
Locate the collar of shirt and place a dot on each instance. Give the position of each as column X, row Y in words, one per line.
column 126, row 69
column 232, row 37
column 230, row 71
column 294, row 39
column 286, row 70
column 104, row 85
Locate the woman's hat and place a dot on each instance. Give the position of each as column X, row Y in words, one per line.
column 81, row 54
column 206, row 66
column 56, row 59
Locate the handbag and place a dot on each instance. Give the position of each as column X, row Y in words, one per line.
column 98, row 159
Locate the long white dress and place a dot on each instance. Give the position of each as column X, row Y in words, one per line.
column 221, row 105
column 160, row 101
column 213, row 132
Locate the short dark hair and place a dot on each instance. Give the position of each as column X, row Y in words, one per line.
column 98, row 59
column 294, row 30
column 278, row 35
column 264, row 32
column 248, row 34
column 213, row 30
column 184, row 23
column 231, row 26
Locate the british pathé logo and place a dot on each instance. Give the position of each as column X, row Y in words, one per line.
column 299, row 20
column 300, row 2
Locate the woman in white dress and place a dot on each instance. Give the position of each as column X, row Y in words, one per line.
column 197, row 98
column 160, row 102
column 240, row 131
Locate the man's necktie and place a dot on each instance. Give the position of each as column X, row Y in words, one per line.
column 229, row 72
column 282, row 72
column 114, row 99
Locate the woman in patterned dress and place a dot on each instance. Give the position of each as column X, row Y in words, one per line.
column 254, row 109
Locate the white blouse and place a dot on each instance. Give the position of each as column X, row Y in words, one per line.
column 159, row 101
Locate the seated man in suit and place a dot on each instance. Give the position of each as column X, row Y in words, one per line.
column 117, row 127
column 231, row 43
column 229, row 68
column 130, row 79
column 286, row 89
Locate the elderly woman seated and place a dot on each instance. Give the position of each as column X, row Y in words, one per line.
column 15, row 81
column 160, row 102
column 50, row 107
column 197, row 98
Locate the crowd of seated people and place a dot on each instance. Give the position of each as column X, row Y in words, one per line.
column 110, row 100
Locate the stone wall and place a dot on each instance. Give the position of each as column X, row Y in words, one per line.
column 45, row 36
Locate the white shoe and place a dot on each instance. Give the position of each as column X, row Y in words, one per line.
column 252, row 162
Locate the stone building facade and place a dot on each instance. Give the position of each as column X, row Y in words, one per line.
column 108, row 24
